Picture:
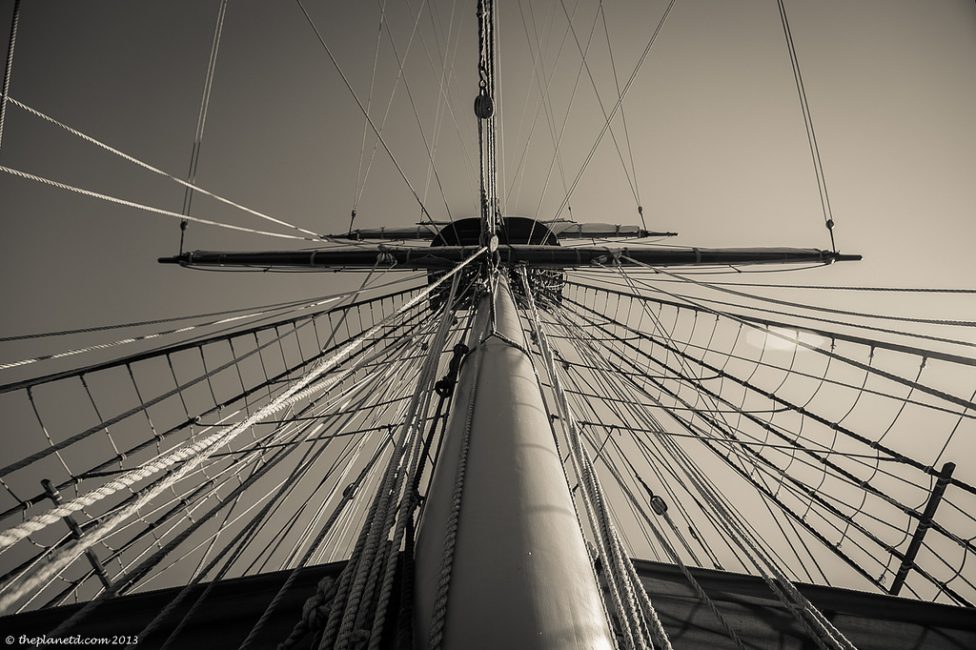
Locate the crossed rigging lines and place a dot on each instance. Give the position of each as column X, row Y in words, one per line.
column 620, row 380
column 799, row 476
column 623, row 369
column 369, row 391
column 716, row 432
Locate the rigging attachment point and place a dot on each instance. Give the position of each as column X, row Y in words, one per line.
column 484, row 108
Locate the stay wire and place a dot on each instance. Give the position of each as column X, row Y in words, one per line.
column 376, row 131
column 202, row 117
column 155, row 170
column 808, row 124
column 520, row 166
column 631, row 180
column 401, row 61
column 369, row 102
column 558, row 138
column 616, row 107
column 623, row 116
column 545, row 104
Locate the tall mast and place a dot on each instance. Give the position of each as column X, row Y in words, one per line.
column 501, row 560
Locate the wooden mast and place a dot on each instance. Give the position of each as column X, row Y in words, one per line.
column 520, row 575
column 500, row 555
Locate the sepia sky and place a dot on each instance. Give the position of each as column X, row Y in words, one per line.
column 714, row 125
column 715, row 128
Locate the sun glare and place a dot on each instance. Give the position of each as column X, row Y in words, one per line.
column 785, row 339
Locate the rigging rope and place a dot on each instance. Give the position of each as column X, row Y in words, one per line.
column 155, row 335
column 859, row 483
column 820, row 308
column 189, row 186
column 616, row 107
column 675, row 557
column 178, row 390
column 545, row 100
column 638, row 412
column 558, row 138
column 636, row 621
column 369, row 102
column 8, row 68
column 857, row 364
column 377, row 132
column 790, row 604
column 334, row 401
column 413, row 105
column 171, row 319
column 808, row 125
column 202, row 116
column 196, row 453
column 631, row 178
column 836, row 426
column 743, row 318
column 623, row 115
column 146, row 208
column 828, row 287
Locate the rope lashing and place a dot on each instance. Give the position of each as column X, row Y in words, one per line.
column 439, row 617
column 315, row 611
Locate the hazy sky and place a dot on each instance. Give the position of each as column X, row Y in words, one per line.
column 714, row 125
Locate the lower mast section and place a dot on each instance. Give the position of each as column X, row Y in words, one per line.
column 500, row 559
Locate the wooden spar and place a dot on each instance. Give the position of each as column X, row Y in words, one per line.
column 445, row 257
column 521, row 576
column 562, row 229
